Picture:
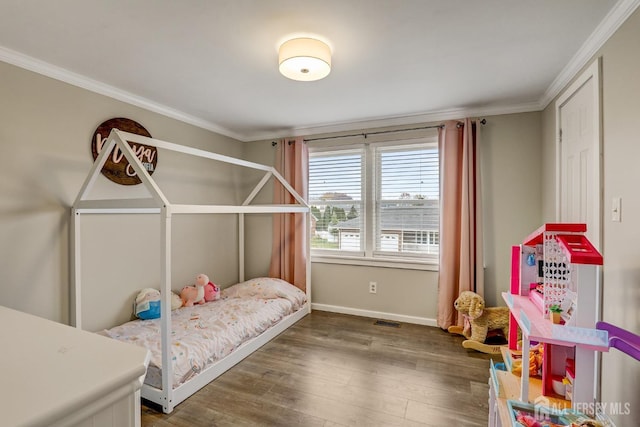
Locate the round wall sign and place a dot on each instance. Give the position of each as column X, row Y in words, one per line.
column 117, row 167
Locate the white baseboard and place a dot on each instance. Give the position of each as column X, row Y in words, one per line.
column 375, row 314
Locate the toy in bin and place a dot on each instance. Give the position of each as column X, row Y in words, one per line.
column 534, row 362
column 528, row 415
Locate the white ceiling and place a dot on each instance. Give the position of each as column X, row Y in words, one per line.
column 213, row 63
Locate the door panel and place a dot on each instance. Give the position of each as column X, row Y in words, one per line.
column 579, row 187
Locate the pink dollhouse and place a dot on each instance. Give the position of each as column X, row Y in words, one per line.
column 556, row 268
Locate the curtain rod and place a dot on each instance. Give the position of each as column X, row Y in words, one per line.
column 366, row 134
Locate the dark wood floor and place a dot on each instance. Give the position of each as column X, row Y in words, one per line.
column 337, row 370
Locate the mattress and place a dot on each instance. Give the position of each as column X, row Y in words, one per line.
column 206, row 333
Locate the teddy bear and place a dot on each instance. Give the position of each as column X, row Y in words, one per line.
column 481, row 319
column 191, row 295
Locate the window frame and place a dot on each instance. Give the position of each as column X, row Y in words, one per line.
column 368, row 256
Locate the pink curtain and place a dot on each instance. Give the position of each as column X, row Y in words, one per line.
column 461, row 259
column 289, row 248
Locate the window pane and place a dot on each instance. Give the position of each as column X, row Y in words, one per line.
column 407, row 199
column 335, row 195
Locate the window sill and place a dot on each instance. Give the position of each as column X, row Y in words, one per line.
column 404, row 264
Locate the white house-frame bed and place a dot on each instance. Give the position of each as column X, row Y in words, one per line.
column 157, row 204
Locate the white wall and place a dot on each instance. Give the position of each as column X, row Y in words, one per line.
column 45, row 134
column 621, row 253
column 511, row 193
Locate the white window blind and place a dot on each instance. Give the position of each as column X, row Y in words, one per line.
column 407, row 200
column 335, row 196
column 376, row 204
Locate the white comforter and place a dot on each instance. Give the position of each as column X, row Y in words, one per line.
column 206, row 333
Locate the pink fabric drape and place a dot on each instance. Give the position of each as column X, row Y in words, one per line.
column 461, row 258
column 289, row 248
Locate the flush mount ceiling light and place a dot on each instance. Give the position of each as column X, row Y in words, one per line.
column 304, row 59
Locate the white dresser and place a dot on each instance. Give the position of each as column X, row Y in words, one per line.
column 55, row 375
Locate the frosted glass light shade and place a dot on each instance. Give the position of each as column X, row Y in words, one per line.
column 304, row 59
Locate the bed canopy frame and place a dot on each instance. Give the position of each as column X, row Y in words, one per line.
column 157, row 203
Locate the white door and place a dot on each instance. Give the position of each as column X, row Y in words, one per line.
column 579, row 153
column 579, row 167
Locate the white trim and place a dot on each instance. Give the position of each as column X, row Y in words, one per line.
column 400, row 263
column 375, row 314
column 609, row 25
column 58, row 73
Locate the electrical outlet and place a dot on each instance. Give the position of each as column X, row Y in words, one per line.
column 373, row 287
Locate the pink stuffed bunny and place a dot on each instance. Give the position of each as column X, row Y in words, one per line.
column 191, row 295
column 211, row 292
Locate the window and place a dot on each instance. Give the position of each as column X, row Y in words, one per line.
column 376, row 202
column 335, row 196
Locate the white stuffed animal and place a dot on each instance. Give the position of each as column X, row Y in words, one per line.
column 147, row 303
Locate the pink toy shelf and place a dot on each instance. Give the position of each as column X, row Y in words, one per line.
column 557, row 267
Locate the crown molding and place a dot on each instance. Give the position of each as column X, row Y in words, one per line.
column 609, row 25
column 37, row 66
column 412, row 119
